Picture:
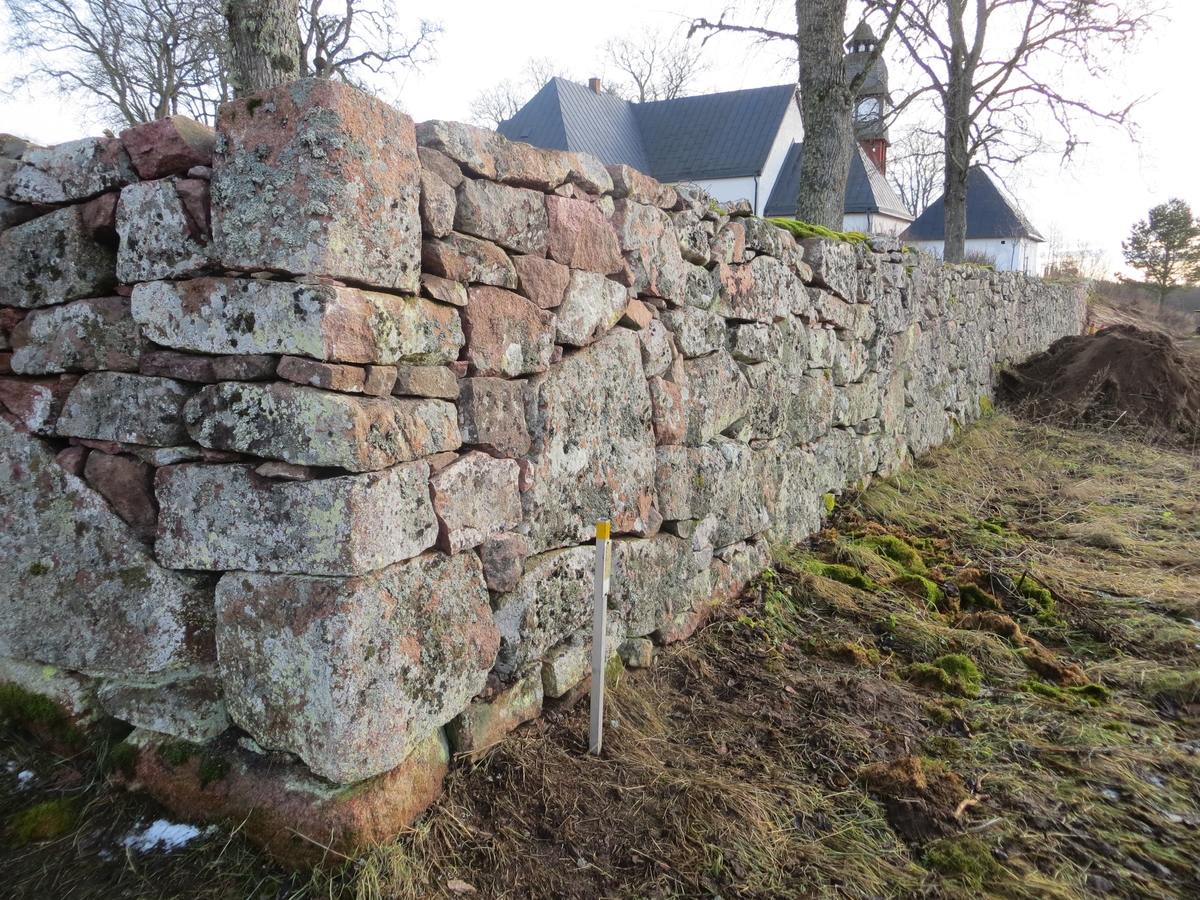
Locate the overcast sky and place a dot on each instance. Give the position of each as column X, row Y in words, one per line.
column 1093, row 200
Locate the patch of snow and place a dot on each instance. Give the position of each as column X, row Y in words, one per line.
column 23, row 779
column 161, row 834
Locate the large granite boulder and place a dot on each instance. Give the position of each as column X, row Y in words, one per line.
column 593, row 445
column 315, row 177
column 87, row 335
column 311, row 427
column 70, row 172
column 338, row 324
column 134, row 409
column 52, row 259
column 80, row 590
column 217, row 518
column 353, row 674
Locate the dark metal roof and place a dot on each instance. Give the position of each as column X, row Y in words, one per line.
column 723, row 135
column 726, row 135
column 867, row 191
column 564, row 115
column 991, row 213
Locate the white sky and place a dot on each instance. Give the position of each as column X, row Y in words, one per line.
column 1094, row 200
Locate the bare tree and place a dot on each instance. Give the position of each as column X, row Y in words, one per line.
column 359, row 36
column 134, row 60
column 826, row 94
column 915, row 167
column 656, row 66
column 996, row 69
column 496, row 104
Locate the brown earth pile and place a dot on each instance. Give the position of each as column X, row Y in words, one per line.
column 1122, row 375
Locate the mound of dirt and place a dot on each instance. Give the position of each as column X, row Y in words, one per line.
column 1122, row 375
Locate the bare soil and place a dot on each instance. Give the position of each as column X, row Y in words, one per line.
column 1122, row 376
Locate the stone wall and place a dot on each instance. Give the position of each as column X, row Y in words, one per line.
column 308, row 422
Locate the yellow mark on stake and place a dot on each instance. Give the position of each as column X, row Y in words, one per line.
column 602, row 530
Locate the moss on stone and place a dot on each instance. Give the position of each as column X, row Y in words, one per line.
column 830, row 501
column 803, row 230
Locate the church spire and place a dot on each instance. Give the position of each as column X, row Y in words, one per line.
column 873, row 103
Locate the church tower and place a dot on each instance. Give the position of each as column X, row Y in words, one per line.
column 872, row 104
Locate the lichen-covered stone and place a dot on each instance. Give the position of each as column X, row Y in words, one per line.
column 352, row 674
column 70, row 172
column 52, row 259
column 718, row 395
column 156, row 237
column 651, row 247
column 437, row 205
column 216, row 518
column 565, row 666
column 474, row 498
column 81, row 592
column 191, row 707
column 83, row 336
column 484, row 723
column 651, row 581
column 469, row 260
column 312, row 427
column 503, row 557
column 315, row 177
column 657, row 350
column 118, row 406
column 590, row 308
column 338, row 324
column 491, row 415
column 628, row 183
column 696, row 331
column 443, row 289
column 506, row 334
column 762, row 290
column 593, row 445
column 36, row 404
column 552, row 601
column 833, row 266
column 514, row 218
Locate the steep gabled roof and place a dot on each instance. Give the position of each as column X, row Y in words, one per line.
column 867, row 191
column 991, row 213
column 564, row 115
column 726, row 135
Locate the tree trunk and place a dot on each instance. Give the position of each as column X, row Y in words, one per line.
column 958, row 166
column 827, row 111
column 264, row 36
column 959, row 90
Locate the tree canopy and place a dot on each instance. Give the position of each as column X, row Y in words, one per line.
column 1165, row 246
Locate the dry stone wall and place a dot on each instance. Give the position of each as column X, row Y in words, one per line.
column 307, row 422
